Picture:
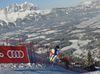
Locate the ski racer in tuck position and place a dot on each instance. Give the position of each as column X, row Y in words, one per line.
column 54, row 53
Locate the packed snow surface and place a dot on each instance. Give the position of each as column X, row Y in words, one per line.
column 22, row 68
column 95, row 72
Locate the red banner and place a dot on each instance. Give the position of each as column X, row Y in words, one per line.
column 13, row 54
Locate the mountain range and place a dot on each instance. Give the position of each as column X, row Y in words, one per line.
column 54, row 26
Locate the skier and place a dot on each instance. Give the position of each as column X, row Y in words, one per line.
column 54, row 53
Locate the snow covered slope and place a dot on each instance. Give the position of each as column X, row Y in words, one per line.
column 96, row 72
column 21, row 68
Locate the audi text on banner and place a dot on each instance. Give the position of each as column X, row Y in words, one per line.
column 13, row 54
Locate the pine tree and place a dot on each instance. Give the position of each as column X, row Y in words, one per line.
column 89, row 59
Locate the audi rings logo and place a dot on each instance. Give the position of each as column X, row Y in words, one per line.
column 1, row 54
column 15, row 54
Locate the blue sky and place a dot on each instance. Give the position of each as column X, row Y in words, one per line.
column 44, row 4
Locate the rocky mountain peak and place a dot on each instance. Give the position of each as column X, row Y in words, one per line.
column 29, row 6
column 86, row 3
column 16, row 7
column 90, row 4
column 13, row 8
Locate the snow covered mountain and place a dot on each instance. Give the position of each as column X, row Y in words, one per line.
column 16, row 7
column 14, row 10
column 18, row 16
column 64, row 26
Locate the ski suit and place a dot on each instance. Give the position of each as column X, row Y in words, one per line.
column 54, row 53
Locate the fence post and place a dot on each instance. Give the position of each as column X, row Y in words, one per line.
column 6, row 41
column 23, row 42
column 50, row 46
column 34, row 52
column 19, row 41
column 42, row 53
column 28, row 54
column 31, row 53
